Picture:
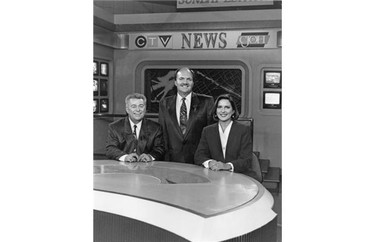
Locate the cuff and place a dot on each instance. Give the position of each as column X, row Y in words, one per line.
column 205, row 164
column 122, row 158
column 231, row 165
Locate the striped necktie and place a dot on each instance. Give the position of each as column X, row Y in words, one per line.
column 135, row 131
column 183, row 116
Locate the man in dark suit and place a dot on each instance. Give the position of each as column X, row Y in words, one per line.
column 183, row 116
column 135, row 138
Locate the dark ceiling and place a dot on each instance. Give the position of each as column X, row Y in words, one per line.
column 137, row 6
column 158, row 6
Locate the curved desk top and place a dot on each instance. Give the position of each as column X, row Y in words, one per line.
column 161, row 192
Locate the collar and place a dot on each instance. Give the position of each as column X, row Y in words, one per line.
column 188, row 98
column 227, row 128
column 138, row 124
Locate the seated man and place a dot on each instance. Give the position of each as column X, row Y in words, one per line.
column 135, row 138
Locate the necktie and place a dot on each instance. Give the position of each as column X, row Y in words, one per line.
column 135, row 131
column 183, row 116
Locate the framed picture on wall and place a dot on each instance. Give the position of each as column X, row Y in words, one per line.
column 272, row 79
column 104, row 105
column 96, row 86
column 103, row 87
column 96, row 106
column 96, row 68
column 103, row 68
column 272, row 100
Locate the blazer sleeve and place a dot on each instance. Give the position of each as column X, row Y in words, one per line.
column 243, row 161
column 113, row 150
column 162, row 122
column 158, row 149
column 203, row 152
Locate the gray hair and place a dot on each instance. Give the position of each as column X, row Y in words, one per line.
column 135, row 96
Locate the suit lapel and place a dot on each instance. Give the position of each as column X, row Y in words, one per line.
column 172, row 113
column 194, row 105
column 130, row 140
column 127, row 129
column 218, row 142
column 143, row 136
column 232, row 137
column 172, row 110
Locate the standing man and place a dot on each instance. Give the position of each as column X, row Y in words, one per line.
column 135, row 138
column 182, row 118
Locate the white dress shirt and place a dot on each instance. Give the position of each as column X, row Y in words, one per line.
column 139, row 125
column 179, row 103
column 224, row 136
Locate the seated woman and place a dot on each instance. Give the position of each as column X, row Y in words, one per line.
column 226, row 145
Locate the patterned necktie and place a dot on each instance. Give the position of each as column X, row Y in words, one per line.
column 135, row 131
column 183, row 116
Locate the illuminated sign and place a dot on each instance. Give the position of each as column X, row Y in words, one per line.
column 221, row 3
column 153, row 41
column 252, row 40
column 204, row 40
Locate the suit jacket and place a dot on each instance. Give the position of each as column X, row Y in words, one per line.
column 121, row 141
column 238, row 150
column 181, row 147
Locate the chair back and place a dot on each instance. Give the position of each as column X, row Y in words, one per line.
column 255, row 171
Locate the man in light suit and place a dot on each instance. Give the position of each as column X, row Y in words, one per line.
column 135, row 138
column 182, row 118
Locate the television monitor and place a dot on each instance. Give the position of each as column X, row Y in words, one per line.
column 103, row 87
column 103, row 69
column 96, row 72
column 96, row 106
column 272, row 100
column 272, row 79
column 104, row 105
column 96, row 87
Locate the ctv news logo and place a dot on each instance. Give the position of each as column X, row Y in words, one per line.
column 155, row 41
column 246, row 40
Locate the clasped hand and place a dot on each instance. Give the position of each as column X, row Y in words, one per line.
column 218, row 166
column 133, row 157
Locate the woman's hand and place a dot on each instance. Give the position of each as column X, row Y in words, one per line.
column 219, row 166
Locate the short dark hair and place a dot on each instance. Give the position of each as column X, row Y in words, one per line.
column 232, row 103
column 187, row 68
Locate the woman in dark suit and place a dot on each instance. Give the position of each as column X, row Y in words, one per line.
column 226, row 145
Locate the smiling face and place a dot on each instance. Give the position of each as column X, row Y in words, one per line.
column 136, row 108
column 184, row 82
column 224, row 110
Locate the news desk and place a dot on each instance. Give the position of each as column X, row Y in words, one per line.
column 168, row 201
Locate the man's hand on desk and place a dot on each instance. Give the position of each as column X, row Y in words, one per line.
column 145, row 158
column 133, row 157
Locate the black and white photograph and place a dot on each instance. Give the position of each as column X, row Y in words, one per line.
column 213, row 120
column 187, row 146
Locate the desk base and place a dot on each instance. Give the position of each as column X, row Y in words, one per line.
column 115, row 228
